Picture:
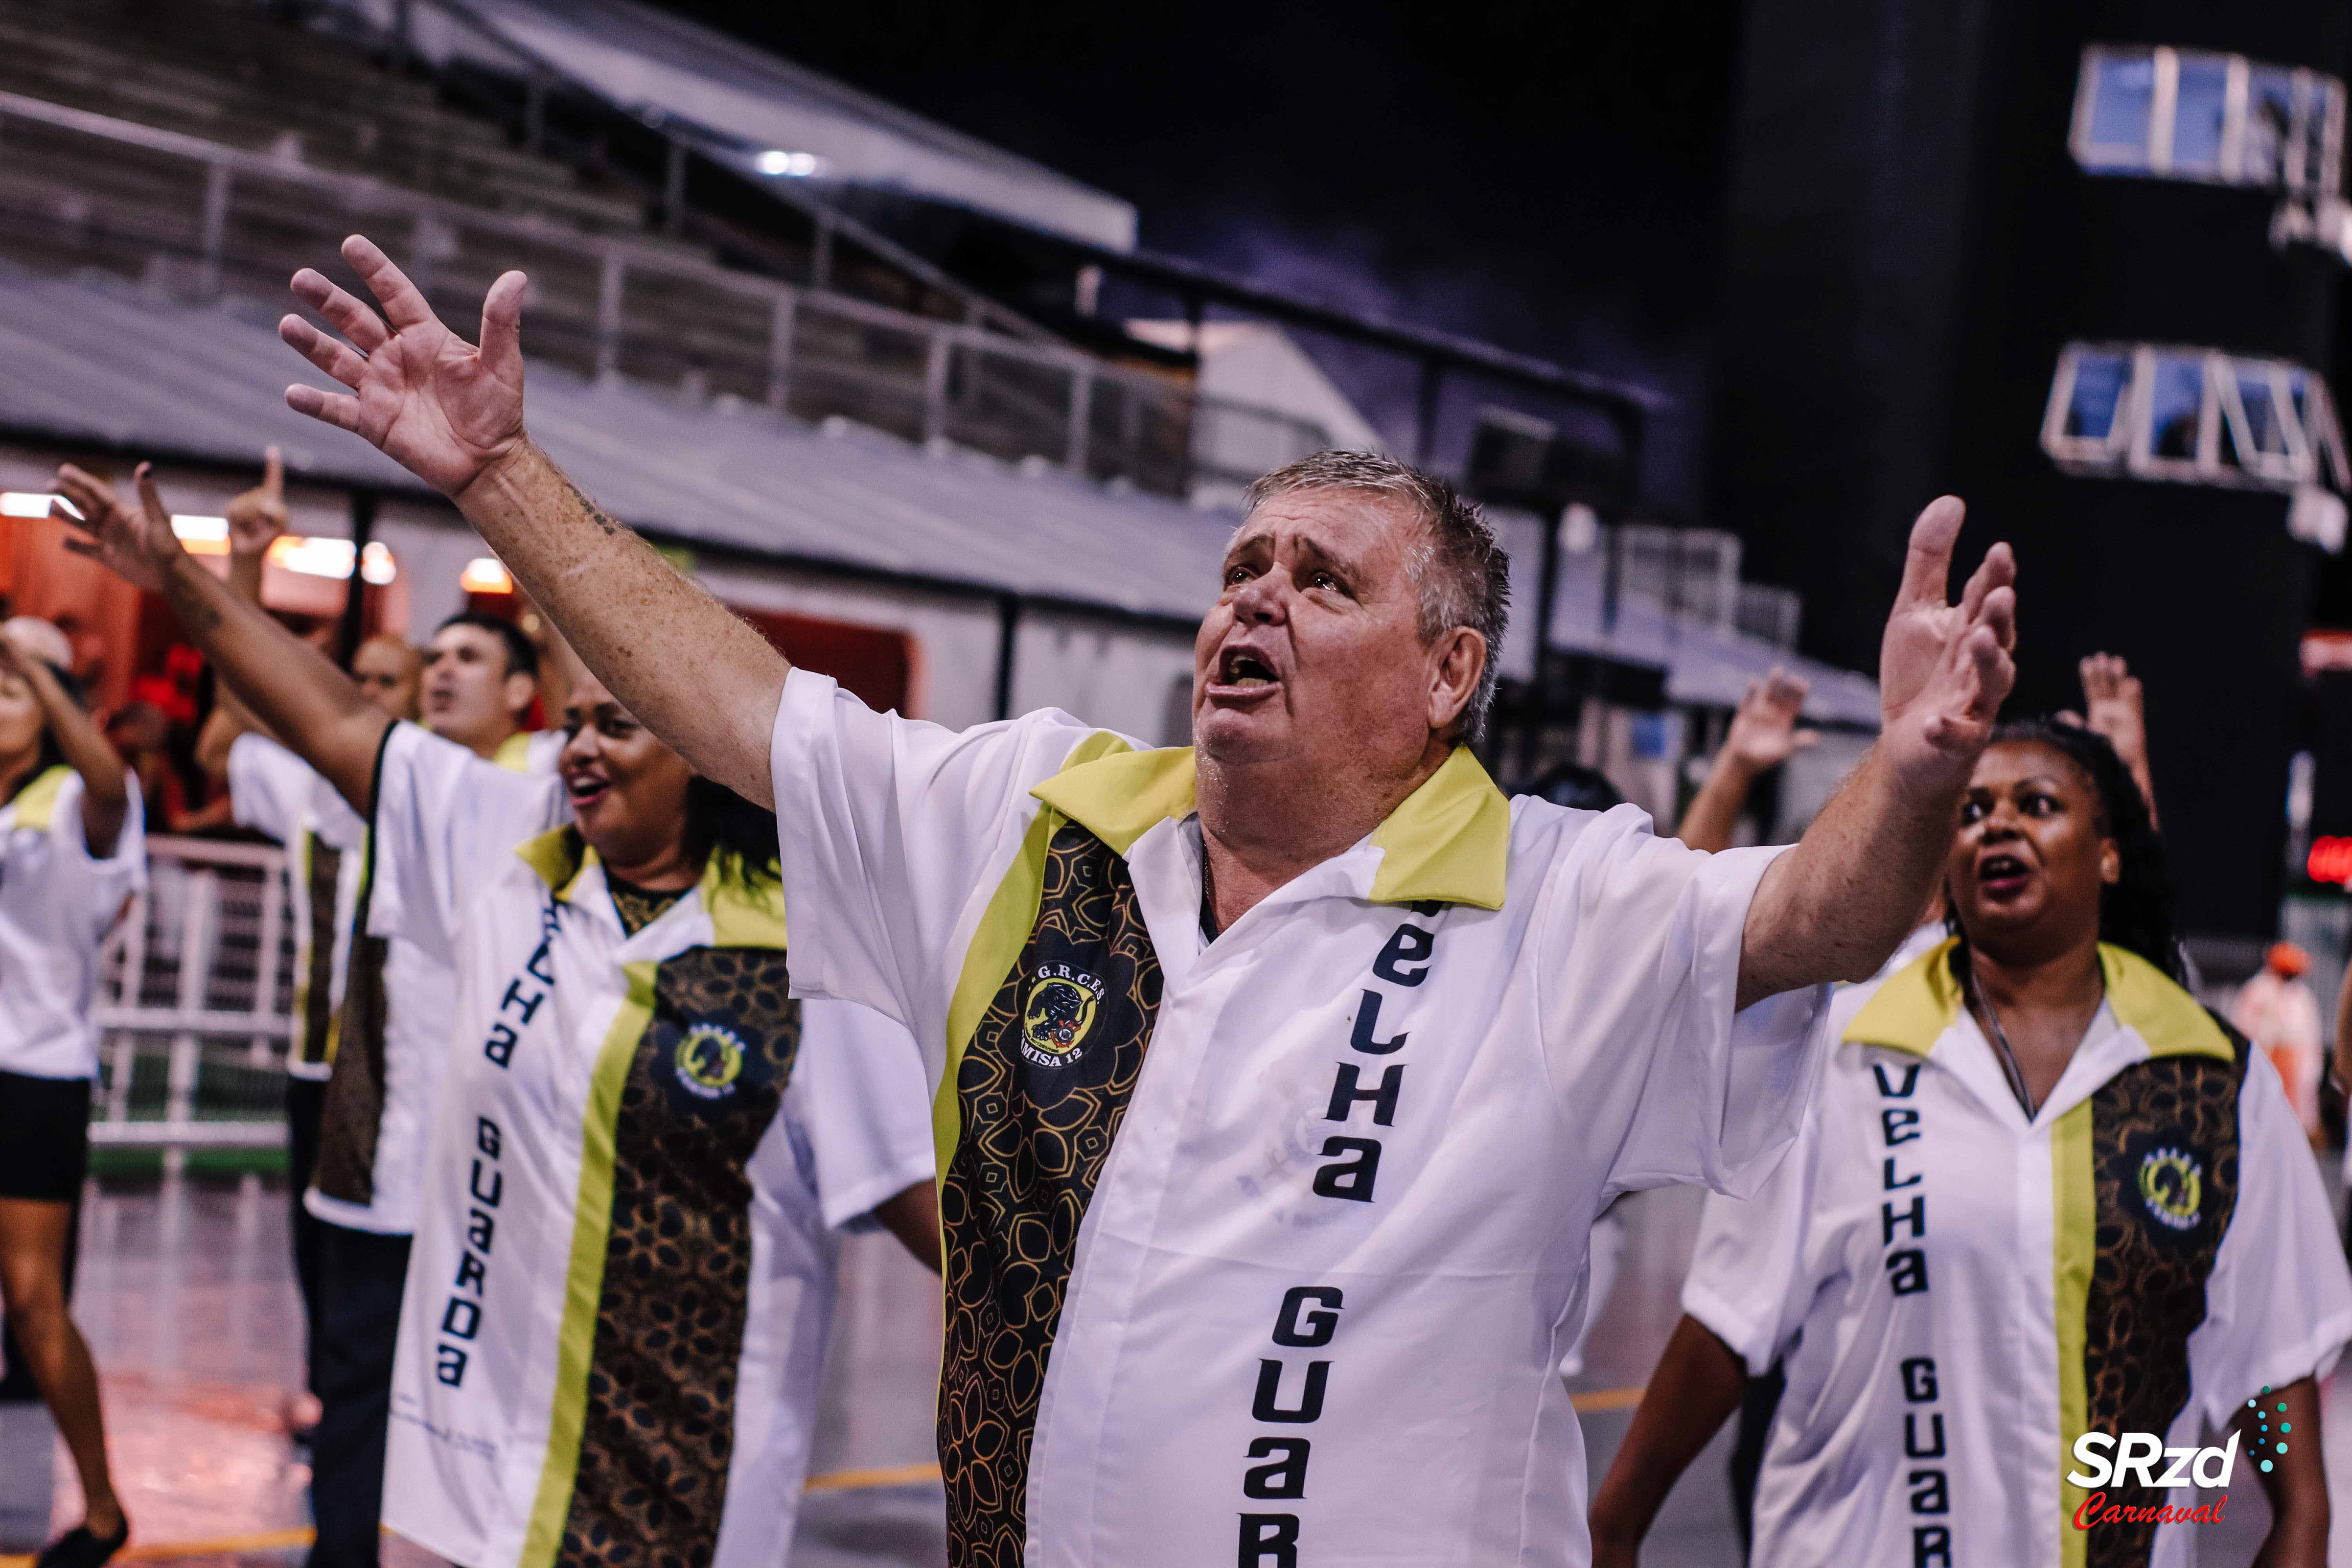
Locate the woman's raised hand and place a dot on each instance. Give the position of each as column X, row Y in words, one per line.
column 436, row 405
column 136, row 544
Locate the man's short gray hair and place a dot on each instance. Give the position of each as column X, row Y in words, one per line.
column 1462, row 571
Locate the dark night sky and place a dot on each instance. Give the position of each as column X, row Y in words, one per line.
column 1541, row 174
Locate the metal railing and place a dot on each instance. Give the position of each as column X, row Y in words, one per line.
column 1771, row 614
column 195, row 1001
column 198, row 218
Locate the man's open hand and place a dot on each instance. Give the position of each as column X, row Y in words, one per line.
column 435, row 403
column 257, row 517
column 1944, row 669
column 136, row 544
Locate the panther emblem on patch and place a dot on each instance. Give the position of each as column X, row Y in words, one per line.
column 708, row 1060
column 1058, row 1015
column 2171, row 1184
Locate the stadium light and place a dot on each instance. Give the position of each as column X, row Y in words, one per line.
column 797, row 165
column 209, row 536
column 30, row 503
column 332, row 558
column 202, row 535
column 484, row 574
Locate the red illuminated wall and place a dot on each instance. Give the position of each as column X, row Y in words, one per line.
column 876, row 665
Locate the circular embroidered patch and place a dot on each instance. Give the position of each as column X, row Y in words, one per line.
column 709, row 1059
column 2171, row 1184
column 1059, row 1015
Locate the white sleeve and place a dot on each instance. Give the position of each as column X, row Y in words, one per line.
column 333, row 818
column 1748, row 1281
column 888, row 830
column 113, row 877
column 270, row 789
column 865, row 1106
column 2278, row 1305
column 446, row 822
column 543, row 751
column 1638, row 940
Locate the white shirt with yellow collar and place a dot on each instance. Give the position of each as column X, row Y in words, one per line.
column 1290, row 1285
column 641, row 1160
column 57, row 902
column 1959, row 1292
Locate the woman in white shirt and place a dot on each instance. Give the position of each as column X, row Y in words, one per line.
column 615, row 1309
column 2049, row 1225
column 70, row 853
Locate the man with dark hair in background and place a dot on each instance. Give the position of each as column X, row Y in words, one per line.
column 481, row 675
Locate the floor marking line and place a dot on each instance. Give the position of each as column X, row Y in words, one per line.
column 858, row 1480
column 220, row 1546
column 1607, row 1399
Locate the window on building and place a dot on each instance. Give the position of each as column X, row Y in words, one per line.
column 2187, row 114
column 2269, row 125
column 2176, row 408
column 2201, row 113
column 2117, row 109
column 2197, row 416
column 2096, row 397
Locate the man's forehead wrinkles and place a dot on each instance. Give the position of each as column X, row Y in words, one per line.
column 1306, row 539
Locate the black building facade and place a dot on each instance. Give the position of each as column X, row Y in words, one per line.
column 1948, row 270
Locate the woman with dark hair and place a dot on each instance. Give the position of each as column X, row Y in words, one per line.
column 2048, row 1223
column 71, row 853
column 623, row 1271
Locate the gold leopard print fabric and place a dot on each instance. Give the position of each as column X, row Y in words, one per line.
column 352, row 1116
column 326, row 863
column 1042, row 1088
column 637, row 907
column 708, row 1074
column 2164, row 1164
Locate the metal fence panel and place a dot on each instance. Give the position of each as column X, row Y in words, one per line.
column 195, row 1001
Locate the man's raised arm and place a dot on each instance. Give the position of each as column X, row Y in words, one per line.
column 289, row 685
column 451, row 414
column 1835, row 906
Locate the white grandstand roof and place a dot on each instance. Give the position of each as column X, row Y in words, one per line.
column 102, row 363
column 665, row 67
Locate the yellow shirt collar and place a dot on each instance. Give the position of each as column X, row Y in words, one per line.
column 1917, row 1005
column 37, row 802
column 740, row 916
column 1449, row 841
column 514, row 752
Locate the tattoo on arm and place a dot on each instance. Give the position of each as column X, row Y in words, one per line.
column 595, row 513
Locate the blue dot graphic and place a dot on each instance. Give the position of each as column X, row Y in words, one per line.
column 2282, row 1448
column 2286, row 1426
column 2282, row 1408
column 2266, row 1464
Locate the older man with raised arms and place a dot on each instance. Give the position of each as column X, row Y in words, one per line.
column 1280, row 1076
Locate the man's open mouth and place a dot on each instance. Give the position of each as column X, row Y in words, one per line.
column 1240, row 666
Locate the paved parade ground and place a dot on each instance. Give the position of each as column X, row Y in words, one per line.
column 184, row 1291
